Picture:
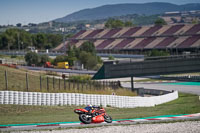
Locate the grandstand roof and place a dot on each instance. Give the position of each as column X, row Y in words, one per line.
column 134, row 38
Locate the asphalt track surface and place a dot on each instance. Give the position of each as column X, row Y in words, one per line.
column 180, row 87
column 62, row 125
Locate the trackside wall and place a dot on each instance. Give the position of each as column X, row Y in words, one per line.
column 51, row 99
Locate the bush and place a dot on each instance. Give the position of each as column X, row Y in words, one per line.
column 43, row 59
column 110, row 57
column 32, row 58
column 158, row 53
column 80, row 78
column 60, row 58
column 13, row 56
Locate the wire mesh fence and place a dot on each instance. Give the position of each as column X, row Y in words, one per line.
column 14, row 79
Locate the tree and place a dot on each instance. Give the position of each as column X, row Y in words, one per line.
column 40, row 40
column 19, row 25
column 88, row 47
column 91, row 62
column 84, row 57
column 54, row 39
column 112, row 23
column 60, row 58
column 1, row 42
column 32, row 58
column 110, row 57
column 43, row 59
column 128, row 24
column 158, row 53
column 195, row 21
column 88, row 60
column 160, row 21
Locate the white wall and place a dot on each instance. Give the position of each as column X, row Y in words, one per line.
column 37, row 98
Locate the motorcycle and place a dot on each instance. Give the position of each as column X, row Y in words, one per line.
column 96, row 115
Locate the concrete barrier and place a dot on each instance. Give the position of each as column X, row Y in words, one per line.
column 51, row 99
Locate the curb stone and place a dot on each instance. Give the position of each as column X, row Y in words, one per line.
column 121, row 121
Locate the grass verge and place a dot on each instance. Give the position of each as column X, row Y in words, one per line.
column 17, row 82
column 17, row 114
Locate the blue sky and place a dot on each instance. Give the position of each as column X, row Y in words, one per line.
column 36, row 11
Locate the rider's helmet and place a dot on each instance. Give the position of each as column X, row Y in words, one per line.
column 89, row 105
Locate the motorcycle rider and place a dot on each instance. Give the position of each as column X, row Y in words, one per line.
column 90, row 107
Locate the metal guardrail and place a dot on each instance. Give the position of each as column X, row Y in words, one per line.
column 182, row 78
column 24, row 52
column 173, row 57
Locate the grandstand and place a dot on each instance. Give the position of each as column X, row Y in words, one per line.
column 167, row 37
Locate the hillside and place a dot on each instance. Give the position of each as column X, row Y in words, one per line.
column 124, row 9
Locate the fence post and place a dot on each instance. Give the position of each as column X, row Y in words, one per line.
column 47, row 83
column 69, row 85
column 40, row 82
column 86, row 85
column 64, row 84
column 27, row 84
column 78, row 86
column 73, row 85
column 103, row 85
column 59, row 83
column 6, row 80
column 82, row 83
column 53, row 82
column 90, row 84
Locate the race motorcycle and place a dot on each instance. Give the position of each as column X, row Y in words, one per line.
column 96, row 115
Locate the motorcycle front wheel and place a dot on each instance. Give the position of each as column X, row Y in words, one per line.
column 86, row 119
column 108, row 119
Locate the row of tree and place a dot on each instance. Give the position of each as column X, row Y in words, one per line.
column 13, row 39
column 116, row 23
column 86, row 54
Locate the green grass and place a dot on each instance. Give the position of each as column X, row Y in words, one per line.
column 17, row 82
column 17, row 114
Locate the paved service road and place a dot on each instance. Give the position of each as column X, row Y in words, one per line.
column 58, row 70
column 193, row 89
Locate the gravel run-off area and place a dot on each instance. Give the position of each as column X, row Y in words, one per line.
column 178, row 127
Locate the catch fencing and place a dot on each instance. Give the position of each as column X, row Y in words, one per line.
column 52, row 99
column 31, row 82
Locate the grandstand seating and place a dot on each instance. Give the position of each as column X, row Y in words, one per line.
column 144, row 43
column 92, row 34
column 134, row 38
column 104, row 43
column 73, row 41
column 151, row 30
column 154, row 43
column 78, row 34
column 111, row 33
column 113, row 44
column 131, row 31
column 173, row 29
column 194, row 29
column 133, row 43
column 189, row 41
column 123, row 43
column 139, row 32
column 161, row 30
column 165, row 42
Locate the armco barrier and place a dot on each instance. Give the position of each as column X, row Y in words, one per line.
column 37, row 98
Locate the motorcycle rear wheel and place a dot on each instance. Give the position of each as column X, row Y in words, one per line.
column 85, row 119
column 108, row 119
